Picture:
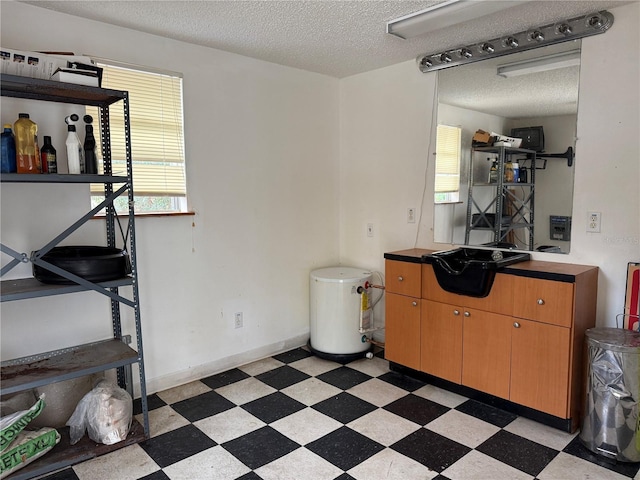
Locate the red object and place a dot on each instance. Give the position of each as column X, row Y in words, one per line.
column 632, row 304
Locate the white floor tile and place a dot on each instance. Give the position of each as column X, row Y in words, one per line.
column 212, row 464
column 128, row 463
column 539, row 433
column 314, row 366
column 384, row 427
column 261, row 366
column 163, row 420
column 463, row 428
column 245, row 391
column 574, row 468
column 297, row 465
column 306, row 426
column 229, row 424
column 377, row 392
column 311, row 391
column 375, row 366
column 183, row 392
column 478, row 466
column 438, row 395
column 391, row 465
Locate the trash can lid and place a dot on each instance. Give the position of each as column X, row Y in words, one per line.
column 618, row 339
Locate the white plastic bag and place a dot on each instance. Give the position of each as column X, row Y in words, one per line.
column 105, row 413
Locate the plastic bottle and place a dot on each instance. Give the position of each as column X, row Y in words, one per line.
column 508, row 172
column 48, row 156
column 8, row 163
column 74, row 150
column 26, row 137
column 493, row 172
column 516, row 172
column 90, row 159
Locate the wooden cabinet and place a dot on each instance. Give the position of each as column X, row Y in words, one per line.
column 402, row 309
column 523, row 342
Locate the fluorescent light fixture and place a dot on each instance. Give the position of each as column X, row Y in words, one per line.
column 445, row 14
column 540, row 64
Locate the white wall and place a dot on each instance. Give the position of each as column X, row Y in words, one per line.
column 387, row 118
column 262, row 174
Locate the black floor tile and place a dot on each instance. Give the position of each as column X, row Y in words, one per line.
column 293, row 355
column 402, row 381
column 577, row 449
column 417, row 409
column 344, row 476
column 273, row 407
column 489, row 414
column 345, row 448
column 159, row 475
column 260, row 447
column 153, row 402
column 66, row 474
column 250, row 476
column 431, row 449
column 282, row 377
column 225, row 378
column 344, row 377
column 202, row 406
column 176, row 445
column 525, row 455
column 344, row 407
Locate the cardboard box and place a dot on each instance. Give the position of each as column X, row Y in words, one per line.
column 35, row 64
column 481, row 137
column 79, row 77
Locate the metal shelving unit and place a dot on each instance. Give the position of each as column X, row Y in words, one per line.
column 489, row 212
column 25, row 373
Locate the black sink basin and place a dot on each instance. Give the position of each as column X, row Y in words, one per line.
column 470, row 271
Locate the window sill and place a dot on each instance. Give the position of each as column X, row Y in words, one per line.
column 149, row 214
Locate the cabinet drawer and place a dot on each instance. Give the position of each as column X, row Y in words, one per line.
column 545, row 301
column 403, row 278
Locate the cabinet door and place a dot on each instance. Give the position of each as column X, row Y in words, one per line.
column 540, row 366
column 402, row 334
column 486, row 352
column 441, row 335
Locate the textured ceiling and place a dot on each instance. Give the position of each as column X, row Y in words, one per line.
column 342, row 38
column 336, row 38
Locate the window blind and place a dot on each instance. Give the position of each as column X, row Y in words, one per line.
column 157, row 135
column 447, row 159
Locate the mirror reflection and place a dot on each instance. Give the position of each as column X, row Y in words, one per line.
column 529, row 105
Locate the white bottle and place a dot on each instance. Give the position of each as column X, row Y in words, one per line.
column 74, row 151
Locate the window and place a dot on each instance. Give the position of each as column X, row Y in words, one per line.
column 157, row 138
column 447, row 186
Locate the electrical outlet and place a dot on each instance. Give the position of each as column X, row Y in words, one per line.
column 238, row 321
column 593, row 222
column 411, row 215
column 369, row 229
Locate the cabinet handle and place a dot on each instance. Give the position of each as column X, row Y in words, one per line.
column 516, row 324
column 400, row 279
column 456, row 312
column 467, row 314
column 415, row 304
column 540, row 301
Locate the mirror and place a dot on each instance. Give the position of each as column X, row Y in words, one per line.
column 473, row 97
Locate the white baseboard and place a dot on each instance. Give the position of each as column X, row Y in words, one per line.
column 175, row 379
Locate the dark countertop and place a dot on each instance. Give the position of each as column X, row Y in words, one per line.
column 562, row 272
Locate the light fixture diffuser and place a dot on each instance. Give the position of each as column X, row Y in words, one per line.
column 445, row 14
column 540, row 64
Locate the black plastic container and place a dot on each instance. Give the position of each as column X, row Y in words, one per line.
column 92, row 263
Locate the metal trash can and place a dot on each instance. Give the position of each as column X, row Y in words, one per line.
column 610, row 424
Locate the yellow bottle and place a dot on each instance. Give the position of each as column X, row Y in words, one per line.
column 27, row 153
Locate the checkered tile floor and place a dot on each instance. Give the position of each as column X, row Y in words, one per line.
column 296, row 416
